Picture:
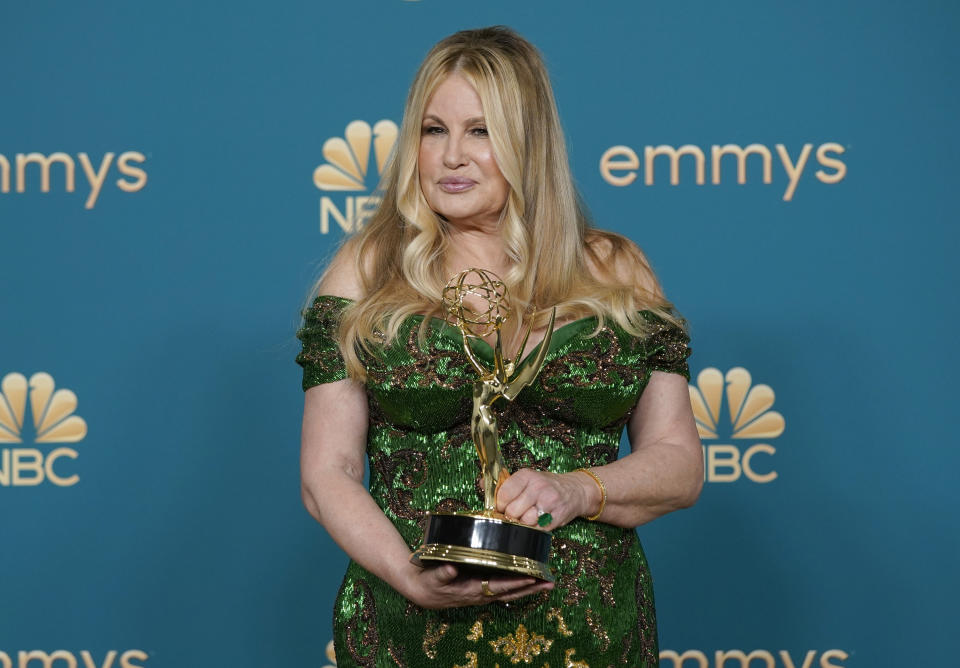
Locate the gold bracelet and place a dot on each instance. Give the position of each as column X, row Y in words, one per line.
column 603, row 491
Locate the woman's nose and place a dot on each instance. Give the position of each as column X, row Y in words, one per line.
column 453, row 154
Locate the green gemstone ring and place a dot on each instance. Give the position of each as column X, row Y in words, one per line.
column 545, row 519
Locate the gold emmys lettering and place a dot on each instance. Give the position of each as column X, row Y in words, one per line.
column 735, row 658
column 66, row 659
column 96, row 175
column 619, row 164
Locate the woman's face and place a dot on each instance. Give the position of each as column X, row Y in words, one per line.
column 458, row 173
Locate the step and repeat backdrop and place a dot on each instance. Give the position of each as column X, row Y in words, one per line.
column 174, row 176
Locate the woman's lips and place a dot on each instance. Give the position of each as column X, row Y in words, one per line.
column 456, row 185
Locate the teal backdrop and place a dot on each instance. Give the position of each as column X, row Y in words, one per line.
column 150, row 515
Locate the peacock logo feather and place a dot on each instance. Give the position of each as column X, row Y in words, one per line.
column 748, row 406
column 348, row 157
column 51, row 409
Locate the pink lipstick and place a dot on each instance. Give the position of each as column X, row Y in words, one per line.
column 456, row 184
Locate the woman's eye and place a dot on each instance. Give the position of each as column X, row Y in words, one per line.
column 481, row 131
column 433, row 130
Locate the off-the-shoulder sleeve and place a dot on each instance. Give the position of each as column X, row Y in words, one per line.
column 320, row 357
column 666, row 347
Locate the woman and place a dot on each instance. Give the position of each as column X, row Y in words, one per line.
column 481, row 179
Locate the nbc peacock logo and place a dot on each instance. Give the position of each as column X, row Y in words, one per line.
column 331, row 656
column 750, row 419
column 347, row 170
column 53, row 421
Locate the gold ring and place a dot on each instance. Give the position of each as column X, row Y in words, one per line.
column 485, row 586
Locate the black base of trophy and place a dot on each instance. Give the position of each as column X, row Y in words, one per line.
column 485, row 545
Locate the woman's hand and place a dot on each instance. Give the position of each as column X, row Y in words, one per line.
column 527, row 494
column 437, row 587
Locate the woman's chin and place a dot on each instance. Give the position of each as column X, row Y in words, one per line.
column 469, row 218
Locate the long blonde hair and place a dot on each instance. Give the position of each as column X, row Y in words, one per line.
column 557, row 258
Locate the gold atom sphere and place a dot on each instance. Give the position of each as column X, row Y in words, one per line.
column 489, row 309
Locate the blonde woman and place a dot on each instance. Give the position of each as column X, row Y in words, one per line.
column 481, row 179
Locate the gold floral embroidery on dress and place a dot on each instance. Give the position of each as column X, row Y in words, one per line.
column 521, row 645
column 569, row 551
column 402, row 471
column 570, row 663
column 591, row 566
column 320, row 357
column 646, row 618
column 449, row 505
column 626, row 643
column 606, row 580
column 542, row 420
column 517, row 454
column 476, row 631
column 602, row 360
column 369, row 637
column 596, row 625
column 554, row 613
column 420, row 364
column 471, row 661
column 396, row 655
column 432, row 635
column 666, row 349
column 456, row 437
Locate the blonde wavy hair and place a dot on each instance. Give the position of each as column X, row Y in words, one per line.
column 557, row 258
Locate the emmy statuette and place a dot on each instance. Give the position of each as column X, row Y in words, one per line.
column 486, row 541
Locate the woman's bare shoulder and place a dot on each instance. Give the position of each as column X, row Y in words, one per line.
column 342, row 276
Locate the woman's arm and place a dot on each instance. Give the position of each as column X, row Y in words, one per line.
column 664, row 471
column 332, row 446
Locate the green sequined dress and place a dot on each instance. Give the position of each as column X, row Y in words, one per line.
column 421, row 458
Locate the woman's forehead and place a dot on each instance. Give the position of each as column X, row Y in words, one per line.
column 454, row 95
